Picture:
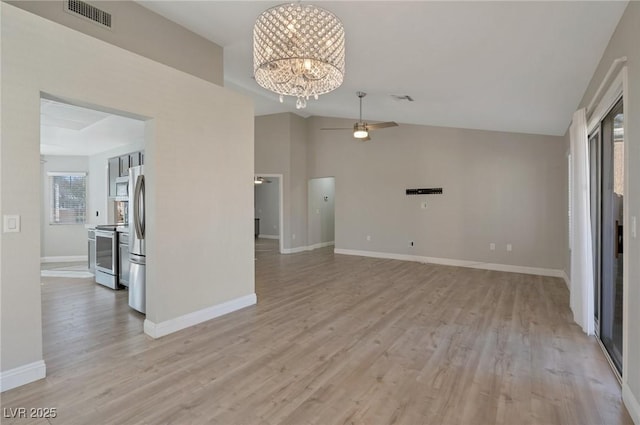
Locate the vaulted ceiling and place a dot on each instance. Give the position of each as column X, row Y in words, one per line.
column 512, row 66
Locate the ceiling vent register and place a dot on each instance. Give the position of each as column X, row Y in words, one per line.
column 86, row 11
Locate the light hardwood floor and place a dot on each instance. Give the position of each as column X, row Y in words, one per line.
column 333, row 340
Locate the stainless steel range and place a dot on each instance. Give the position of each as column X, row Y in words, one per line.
column 107, row 256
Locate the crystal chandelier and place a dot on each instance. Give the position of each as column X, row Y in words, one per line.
column 298, row 50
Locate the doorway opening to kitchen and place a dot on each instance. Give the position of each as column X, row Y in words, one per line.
column 85, row 270
column 268, row 213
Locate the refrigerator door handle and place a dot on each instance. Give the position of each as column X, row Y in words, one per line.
column 138, row 203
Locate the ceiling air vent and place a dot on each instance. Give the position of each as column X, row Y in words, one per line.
column 85, row 10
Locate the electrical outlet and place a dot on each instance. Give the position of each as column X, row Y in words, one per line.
column 368, row 237
column 293, row 236
column 424, row 205
column 410, row 244
column 509, row 247
column 492, row 246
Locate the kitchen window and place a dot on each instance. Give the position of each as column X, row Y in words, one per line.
column 68, row 194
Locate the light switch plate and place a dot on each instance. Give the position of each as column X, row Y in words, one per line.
column 11, row 223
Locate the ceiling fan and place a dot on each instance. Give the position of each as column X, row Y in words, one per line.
column 260, row 180
column 361, row 129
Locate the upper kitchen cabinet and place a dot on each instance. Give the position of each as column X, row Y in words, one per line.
column 124, row 165
column 135, row 159
column 114, row 173
column 119, row 167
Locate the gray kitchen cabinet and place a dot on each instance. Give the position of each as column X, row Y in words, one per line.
column 92, row 250
column 119, row 167
column 114, row 173
column 124, row 165
column 123, row 245
column 134, row 159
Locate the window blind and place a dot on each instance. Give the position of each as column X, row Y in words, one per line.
column 68, row 193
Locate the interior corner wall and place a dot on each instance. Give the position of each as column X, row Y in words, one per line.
column 62, row 240
column 196, row 131
column 140, row 30
column 298, row 184
column 502, row 188
column 281, row 148
column 624, row 42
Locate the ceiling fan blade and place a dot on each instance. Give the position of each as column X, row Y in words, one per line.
column 337, row 128
column 382, row 125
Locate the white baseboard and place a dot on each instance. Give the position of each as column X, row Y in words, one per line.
column 320, row 245
column 261, row 236
column 294, row 250
column 157, row 330
column 452, row 262
column 64, row 259
column 22, row 375
column 567, row 281
column 631, row 403
column 307, row 248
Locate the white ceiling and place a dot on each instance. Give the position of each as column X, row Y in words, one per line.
column 73, row 130
column 511, row 66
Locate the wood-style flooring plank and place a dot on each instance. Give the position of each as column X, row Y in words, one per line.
column 333, row 339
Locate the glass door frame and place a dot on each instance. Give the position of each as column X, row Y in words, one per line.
column 595, row 129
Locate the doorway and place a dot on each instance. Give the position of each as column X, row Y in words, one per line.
column 268, row 209
column 606, row 157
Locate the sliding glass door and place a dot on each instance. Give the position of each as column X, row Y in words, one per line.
column 606, row 150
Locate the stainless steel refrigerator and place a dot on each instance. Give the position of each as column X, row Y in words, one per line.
column 137, row 252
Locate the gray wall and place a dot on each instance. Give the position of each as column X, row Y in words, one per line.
column 267, row 207
column 142, row 31
column 624, row 42
column 61, row 240
column 281, row 148
column 194, row 131
column 501, row 188
column 321, row 219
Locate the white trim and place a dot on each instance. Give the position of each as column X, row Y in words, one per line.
column 626, row 301
column 631, row 403
column 607, row 100
column 22, row 375
column 72, row 174
column 615, row 67
column 294, row 250
column 307, row 248
column 66, row 273
column 64, row 259
column 320, row 245
column 261, row 236
column 567, row 281
column 453, row 262
column 157, row 330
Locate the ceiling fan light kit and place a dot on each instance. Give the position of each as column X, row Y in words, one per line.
column 298, row 50
column 360, row 130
